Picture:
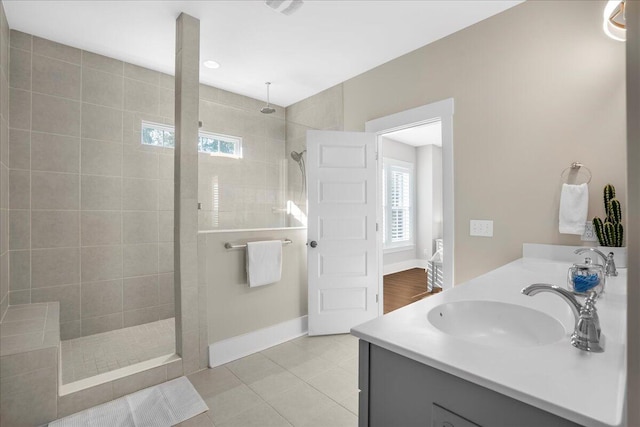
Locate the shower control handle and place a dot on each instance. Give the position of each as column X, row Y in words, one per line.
column 313, row 243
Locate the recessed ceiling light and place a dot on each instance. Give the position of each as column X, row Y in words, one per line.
column 211, row 64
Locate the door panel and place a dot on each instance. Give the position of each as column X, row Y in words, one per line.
column 342, row 268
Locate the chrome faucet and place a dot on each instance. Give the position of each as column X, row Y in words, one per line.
column 587, row 333
column 609, row 263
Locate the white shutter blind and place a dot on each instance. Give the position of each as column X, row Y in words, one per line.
column 400, row 205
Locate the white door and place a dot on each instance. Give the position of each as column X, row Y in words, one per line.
column 342, row 254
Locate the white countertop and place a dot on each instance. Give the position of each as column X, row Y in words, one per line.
column 586, row 388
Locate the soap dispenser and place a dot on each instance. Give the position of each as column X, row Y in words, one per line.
column 585, row 278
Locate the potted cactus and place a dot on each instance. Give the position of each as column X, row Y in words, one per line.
column 610, row 232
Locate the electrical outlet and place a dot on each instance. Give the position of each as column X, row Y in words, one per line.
column 482, row 228
column 589, row 234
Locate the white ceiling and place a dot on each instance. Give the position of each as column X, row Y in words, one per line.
column 324, row 43
column 428, row 134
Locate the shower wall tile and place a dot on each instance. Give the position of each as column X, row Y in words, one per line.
column 55, row 115
column 19, row 230
column 101, row 263
column 54, row 267
column 140, row 227
column 102, row 63
column 19, row 189
column 99, row 228
column 53, row 229
column 102, row 298
column 140, row 164
column 101, row 193
column 20, row 109
column 20, row 40
column 101, row 123
column 54, row 153
column 102, row 88
column 140, row 96
column 140, row 292
column 20, row 270
column 97, row 325
column 68, row 296
column 19, row 149
column 140, row 316
column 56, row 50
column 140, row 260
column 139, row 194
column 101, row 158
column 165, row 226
column 20, row 69
column 143, row 74
column 55, row 191
column 57, row 78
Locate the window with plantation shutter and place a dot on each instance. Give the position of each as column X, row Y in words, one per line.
column 398, row 220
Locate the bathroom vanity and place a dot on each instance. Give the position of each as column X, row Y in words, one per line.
column 483, row 354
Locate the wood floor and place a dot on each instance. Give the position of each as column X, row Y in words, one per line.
column 405, row 287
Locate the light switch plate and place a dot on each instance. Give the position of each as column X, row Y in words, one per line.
column 482, row 228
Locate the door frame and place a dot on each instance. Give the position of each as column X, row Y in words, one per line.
column 443, row 111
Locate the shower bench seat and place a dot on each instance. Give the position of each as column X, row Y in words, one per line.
column 29, row 348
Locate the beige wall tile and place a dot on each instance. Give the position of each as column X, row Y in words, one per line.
column 53, row 267
column 19, row 189
column 101, row 193
column 165, row 257
column 165, row 226
column 18, row 409
column 20, row 40
column 141, row 316
column 102, row 123
column 102, row 88
column 19, row 149
column 166, row 288
column 139, row 194
column 55, row 191
column 174, row 369
column 139, row 381
column 87, row 398
column 140, row 292
column 20, row 69
column 166, row 167
column 141, row 97
column 19, row 297
column 166, row 311
column 57, row 78
column 68, row 296
column 97, row 325
column 19, row 109
column 4, row 231
column 101, row 263
column 20, row 270
column 19, row 230
column 102, row 63
column 143, row 74
column 165, row 195
column 140, row 227
column 54, row 229
column 55, row 115
column 44, row 378
column 101, row 228
column 56, row 50
column 140, row 163
column 101, row 158
column 101, row 298
column 55, row 153
column 70, row 330
column 140, row 260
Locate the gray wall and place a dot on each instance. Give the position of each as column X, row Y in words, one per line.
column 4, row 162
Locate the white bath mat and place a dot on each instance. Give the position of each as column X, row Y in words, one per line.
column 166, row 404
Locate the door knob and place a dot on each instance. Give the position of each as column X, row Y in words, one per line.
column 313, row 243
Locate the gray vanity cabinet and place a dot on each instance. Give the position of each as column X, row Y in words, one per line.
column 399, row 392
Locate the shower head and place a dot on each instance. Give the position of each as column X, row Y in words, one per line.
column 297, row 156
column 267, row 109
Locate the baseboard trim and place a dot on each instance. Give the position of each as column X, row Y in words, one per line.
column 234, row 348
column 403, row 265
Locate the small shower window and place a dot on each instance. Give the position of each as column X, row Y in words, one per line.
column 210, row 143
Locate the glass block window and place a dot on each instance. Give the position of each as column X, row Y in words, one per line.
column 211, row 143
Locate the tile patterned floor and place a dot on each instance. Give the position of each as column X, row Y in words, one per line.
column 306, row 382
column 96, row 354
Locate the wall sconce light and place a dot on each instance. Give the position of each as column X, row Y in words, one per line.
column 614, row 20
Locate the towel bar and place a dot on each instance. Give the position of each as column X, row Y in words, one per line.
column 230, row 246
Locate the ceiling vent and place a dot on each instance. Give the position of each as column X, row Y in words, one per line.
column 286, row 7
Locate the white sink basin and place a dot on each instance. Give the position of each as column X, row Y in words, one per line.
column 496, row 323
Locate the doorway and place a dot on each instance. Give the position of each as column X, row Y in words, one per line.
column 412, row 213
column 442, row 113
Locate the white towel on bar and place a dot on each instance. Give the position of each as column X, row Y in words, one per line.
column 264, row 262
column 574, row 207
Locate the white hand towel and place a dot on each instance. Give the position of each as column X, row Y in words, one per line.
column 574, row 206
column 264, row 262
